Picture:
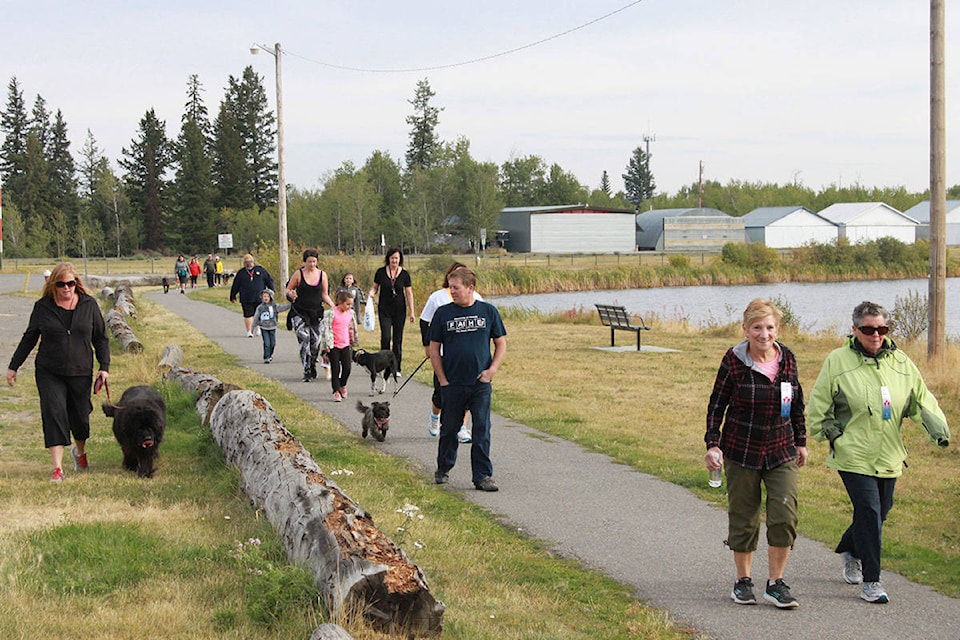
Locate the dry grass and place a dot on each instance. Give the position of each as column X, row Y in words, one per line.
column 648, row 410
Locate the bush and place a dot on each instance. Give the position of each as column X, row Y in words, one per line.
column 910, row 315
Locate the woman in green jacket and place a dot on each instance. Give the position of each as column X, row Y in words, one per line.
column 864, row 391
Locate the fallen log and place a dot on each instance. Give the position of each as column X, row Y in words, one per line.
column 121, row 331
column 123, row 301
column 354, row 565
column 330, row 631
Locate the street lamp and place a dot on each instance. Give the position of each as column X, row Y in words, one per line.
column 281, row 174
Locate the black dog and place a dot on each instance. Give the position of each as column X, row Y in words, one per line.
column 138, row 424
column 166, row 284
column 382, row 361
column 376, row 419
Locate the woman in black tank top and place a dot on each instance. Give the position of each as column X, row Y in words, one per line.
column 307, row 292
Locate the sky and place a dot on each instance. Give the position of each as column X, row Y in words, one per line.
column 817, row 92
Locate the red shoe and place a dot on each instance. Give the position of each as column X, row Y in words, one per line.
column 79, row 461
column 343, row 393
column 57, row 475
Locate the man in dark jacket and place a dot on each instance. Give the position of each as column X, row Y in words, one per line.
column 209, row 269
column 248, row 283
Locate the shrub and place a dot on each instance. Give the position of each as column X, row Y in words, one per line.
column 910, row 315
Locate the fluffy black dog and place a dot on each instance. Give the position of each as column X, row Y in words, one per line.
column 382, row 361
column 376, row 419
column 138, row 424
column 166, row 284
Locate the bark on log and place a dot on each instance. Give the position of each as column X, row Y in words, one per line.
column 355, row 566
column 123, row 300
column 121, row 331
column 330, row 631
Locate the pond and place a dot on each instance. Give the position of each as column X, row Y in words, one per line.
column 819, row 306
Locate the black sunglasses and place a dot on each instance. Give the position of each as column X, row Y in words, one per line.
column 869, row 331
column 68, row 283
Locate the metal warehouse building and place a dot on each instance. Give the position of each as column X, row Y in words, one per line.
column 575, row 228
column 687, row 230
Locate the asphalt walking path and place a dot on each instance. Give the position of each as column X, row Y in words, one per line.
column 654, row 536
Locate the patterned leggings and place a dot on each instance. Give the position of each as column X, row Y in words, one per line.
column 309, row 337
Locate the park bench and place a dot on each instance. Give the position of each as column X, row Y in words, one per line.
column 617, row 318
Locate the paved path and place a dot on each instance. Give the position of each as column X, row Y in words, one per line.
column 654, row 536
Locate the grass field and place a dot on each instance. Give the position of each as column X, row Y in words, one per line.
column 164, row 554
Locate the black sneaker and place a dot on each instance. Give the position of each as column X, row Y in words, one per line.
column 779, row 594
column 486, row 484
column 440, row 477
column 306, row 376
column 743, row 592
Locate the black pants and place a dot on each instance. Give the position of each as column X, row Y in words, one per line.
column 340, row 361
column 210, row 280
column 391, row 326
column 64, row 407
column 872, row 499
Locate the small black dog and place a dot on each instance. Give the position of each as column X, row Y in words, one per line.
column 376, row 419
column 382, row 361
column 138, row 424
column 166, row 284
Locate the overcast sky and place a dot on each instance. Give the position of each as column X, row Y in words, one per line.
column 819, row 91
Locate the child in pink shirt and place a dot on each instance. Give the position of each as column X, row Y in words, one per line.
column 340, row 326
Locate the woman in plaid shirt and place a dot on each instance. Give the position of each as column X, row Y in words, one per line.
column 755, row 424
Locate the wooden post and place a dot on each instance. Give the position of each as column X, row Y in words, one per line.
column 936, row 332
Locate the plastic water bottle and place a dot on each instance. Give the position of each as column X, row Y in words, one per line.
column 716, row 477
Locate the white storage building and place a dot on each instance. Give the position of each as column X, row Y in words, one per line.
column 576, row 228
column 921, row 213
column 787, row 227
column 866, row 221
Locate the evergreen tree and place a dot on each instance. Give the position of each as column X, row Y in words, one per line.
column 63, row 171
column 638, row 179
column 14, row 123
column 424, row 141
column 561, row 187
column 192, row 225
column 605, row 183
column 231, row 175
column 146, row 163
column 40, row 122
column 257, row 128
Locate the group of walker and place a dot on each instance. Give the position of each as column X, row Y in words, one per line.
column 756, row 432
column 457, row 344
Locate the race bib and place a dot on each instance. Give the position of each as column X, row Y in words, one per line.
column 887, row 405
column 786, row 399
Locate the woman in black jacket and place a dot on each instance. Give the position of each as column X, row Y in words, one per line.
column 68, row 323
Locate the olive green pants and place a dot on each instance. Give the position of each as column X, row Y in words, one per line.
column 746, row 498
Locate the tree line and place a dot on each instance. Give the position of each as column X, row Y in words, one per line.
column 174, row 195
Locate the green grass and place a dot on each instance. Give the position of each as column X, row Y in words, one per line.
column 162, row 554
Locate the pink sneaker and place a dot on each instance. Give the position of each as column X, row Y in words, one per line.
column 343, row 393
column 337, row 397
column 79, row 461
column 57, row 475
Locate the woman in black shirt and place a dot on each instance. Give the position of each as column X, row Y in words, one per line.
column 395, row 304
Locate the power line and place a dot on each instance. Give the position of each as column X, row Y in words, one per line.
column 466, row 62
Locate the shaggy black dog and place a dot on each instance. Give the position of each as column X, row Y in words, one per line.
column 382, row 361
column 138, row 424
column 166, row 284
column 376, row 419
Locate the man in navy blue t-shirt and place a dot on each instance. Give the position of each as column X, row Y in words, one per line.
column 465, row 369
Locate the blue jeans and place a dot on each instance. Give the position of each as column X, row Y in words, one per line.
column 457, row 399
column 872, row 499
column 269, row 342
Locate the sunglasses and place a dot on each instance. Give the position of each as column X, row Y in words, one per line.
column 869, row 331
column 69, row 283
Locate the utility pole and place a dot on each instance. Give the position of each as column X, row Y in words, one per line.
column 700, row 188
column 937, row 309
column 281, row 172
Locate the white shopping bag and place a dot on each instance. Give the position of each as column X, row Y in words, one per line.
column 369, row 319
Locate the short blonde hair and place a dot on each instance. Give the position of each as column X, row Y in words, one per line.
column 761, row 308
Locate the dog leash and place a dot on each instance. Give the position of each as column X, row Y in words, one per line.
column 409, row 378
column 106, row 387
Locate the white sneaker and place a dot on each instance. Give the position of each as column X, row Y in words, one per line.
column 249, row 334
column 852, row 569
column 256, row 331
column 433, row 428
column 464, row 435
column 874, row 592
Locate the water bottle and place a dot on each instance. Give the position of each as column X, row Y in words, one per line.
column 716, row 477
